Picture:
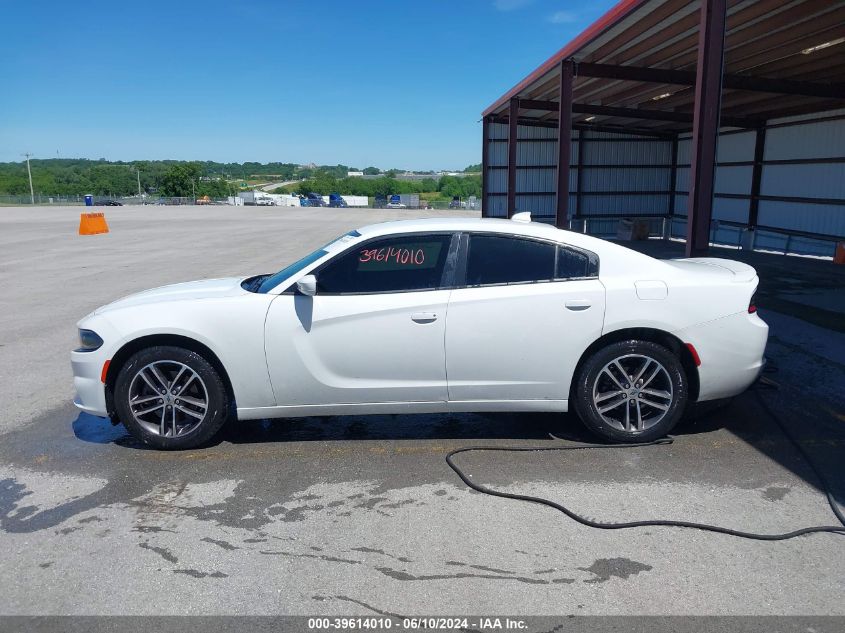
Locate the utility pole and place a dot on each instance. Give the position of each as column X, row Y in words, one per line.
column 138, row 173
column 29, row 171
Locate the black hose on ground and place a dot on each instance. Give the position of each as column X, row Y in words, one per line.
column 840, row 529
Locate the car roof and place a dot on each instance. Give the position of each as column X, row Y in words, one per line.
column 616, row 258
column 492, row 225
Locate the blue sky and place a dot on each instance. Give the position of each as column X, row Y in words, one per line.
column 381, row 82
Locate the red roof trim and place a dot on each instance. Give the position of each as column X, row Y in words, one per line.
column 618, row 13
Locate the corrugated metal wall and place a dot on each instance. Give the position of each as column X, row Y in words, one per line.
column 536, row 160
column 820, row 181
column 622, row 174
column 802, row 187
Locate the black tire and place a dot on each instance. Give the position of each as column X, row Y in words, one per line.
column 592, row 378
column 194, row 431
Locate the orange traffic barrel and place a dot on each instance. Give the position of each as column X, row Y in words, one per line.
column 92, row 224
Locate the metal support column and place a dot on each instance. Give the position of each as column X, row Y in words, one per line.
column 579, row 176
column 673, row 179
column 747, row 239
column 564, row 144
column 756, row 176
column 708, row 97
column 513, row 118
column 485, row 161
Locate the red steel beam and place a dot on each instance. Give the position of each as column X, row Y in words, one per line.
column 735, row 82
column 705, row 127
column 564, row 144
column 632, row 113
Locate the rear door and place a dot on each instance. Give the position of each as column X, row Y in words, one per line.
column 526, row 312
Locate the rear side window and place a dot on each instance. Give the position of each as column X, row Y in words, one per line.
column 394, row 264
column 500, row 259
column 494, row 259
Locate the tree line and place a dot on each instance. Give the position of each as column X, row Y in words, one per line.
column 76, row 177
column 443, row 187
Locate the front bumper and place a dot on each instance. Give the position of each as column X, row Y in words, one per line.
column 87, row 380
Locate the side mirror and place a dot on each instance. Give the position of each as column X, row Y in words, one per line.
column 307, row 285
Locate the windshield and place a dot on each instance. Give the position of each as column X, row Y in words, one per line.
column 274, row 280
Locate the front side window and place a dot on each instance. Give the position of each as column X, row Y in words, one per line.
column 503, row 259
column 265, row 283
column 392, row 264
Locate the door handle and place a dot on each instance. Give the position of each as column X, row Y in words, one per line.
column 423, row 317
column 576, row 305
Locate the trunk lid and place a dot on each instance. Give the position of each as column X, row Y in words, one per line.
column 725, row 269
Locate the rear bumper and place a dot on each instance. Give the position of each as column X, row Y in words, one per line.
column 731, row 350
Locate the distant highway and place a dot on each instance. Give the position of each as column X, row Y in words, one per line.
column 269, row 186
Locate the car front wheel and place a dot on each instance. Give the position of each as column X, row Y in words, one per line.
column 170, row 398
column 631, row 391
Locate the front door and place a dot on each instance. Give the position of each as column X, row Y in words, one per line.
column 373, row 333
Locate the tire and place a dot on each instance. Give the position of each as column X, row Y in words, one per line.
column 191, row 412
column 631, row 415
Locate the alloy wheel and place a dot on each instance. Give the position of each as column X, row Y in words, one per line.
column 168, row 398
column 632, row 393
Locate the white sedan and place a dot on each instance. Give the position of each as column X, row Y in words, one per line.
column 429, row 316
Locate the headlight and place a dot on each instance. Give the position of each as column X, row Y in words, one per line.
column 89, row 340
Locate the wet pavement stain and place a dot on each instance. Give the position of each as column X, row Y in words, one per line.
column 492, row 570
column 775, row 493
column 151, row 529
column 165, row 553
column 328, row 559
column 219, row 543
column 27, row 519
column 92, row 519
column 194, row 573
column 399, row 504
column 371, row 550
column 404, row 576
column 606, row 568
column 371, row 503
column 368, row 606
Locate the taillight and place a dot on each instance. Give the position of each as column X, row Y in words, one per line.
column 752, row 306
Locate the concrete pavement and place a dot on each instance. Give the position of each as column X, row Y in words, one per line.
column 361, row 515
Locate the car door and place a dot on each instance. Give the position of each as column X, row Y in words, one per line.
column 373, row 332
column 526, row 312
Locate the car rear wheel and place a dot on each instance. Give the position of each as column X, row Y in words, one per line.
column 631, row 391
column 170, row 398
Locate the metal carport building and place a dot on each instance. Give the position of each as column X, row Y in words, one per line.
column 719, row 120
